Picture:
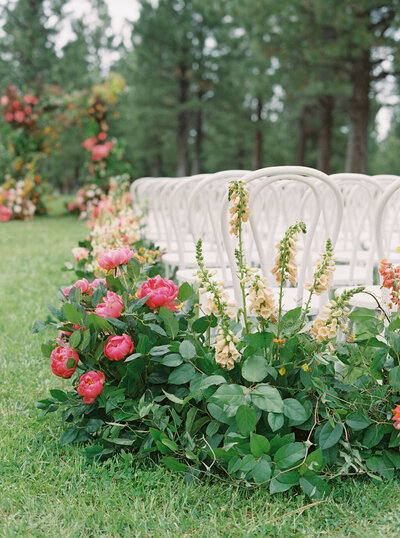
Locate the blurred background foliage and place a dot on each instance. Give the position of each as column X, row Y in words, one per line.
column 206, row 85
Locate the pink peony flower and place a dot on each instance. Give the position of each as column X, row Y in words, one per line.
column 118, row 347
column 4, row 100
column 102, row 136
column 113, row 257
column 89, row 143
column 59, row 361
column 101, row 151
column 97, row 281
column 9, row 116
column 91, row 385
column 111, row 306
column 162, row 292
column 19, row 116
column 5, row 213
column 28, row 109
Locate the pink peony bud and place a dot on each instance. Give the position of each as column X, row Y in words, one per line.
column 4, row 100
column 59, row 361
column 91, row 385
column 162, row 293
column 118, row 347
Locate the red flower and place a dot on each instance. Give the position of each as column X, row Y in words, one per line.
column 60, row 356
column 118, row 347
column 162, row 292
column 91, row 385
column 111, row 306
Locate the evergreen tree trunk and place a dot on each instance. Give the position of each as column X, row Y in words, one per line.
column 327, row 103
column 301, row 150
column 359, row 114
column 258, row 138
column 196, row 165
column 182, row 124
column 157, row 165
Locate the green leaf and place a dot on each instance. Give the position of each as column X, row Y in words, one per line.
column 315, row 461
column 85, row 340
column 132, row 357
column 394, row 378
column 255, row 368
column 72, row 314
column 173, row 398
column 75, row 339
column 185, row 291
column 357, row 422
column 201, row 325
column 182, row 374
column 314, row 486
column 170, row 444
column 380, row 465
column 288, row 455
column 69, row 436
column 99, row 323
column 329, row 435
column 173, row 359
column 259, row 445
column 267, row 398
column 276, row 421
column 362, row 314
column 373, row 436
column 157, row 329
column 170, row 322
column 59, row 395
column 38, row 327
column 230, row 394
column 173, row 464
column 211, row 380
column 294, row 410
column 246, row 419
column 262, row 471
column 70, row 362
column 133, row 269
column 187, row 350
column 93, row 425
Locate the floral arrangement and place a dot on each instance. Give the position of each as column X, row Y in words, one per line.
column 22, row 199
column 112, row 224
column 22, row 193
column 87, row 199
column 19, row 110
column 251, row 392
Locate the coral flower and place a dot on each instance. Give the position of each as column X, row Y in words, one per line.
column 60, row 357
column 89, row 143
column 5, row 213
column 396, row 417
column 162, row 293
column 84, row 284
column 118, row 347
column 111, row 258
column 111, row 306
column 91, row 385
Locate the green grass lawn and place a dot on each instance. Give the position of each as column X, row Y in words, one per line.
column 46, row 490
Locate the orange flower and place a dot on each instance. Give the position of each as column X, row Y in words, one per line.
column 396, row 417
column 279, row 340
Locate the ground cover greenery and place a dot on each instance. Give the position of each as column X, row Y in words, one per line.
column 51, row 490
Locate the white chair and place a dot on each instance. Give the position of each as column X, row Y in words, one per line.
column 387, row 241
column 203, row 207
column 355, row 248
column 280, row 196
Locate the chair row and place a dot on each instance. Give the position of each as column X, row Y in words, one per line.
column 357, row 212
